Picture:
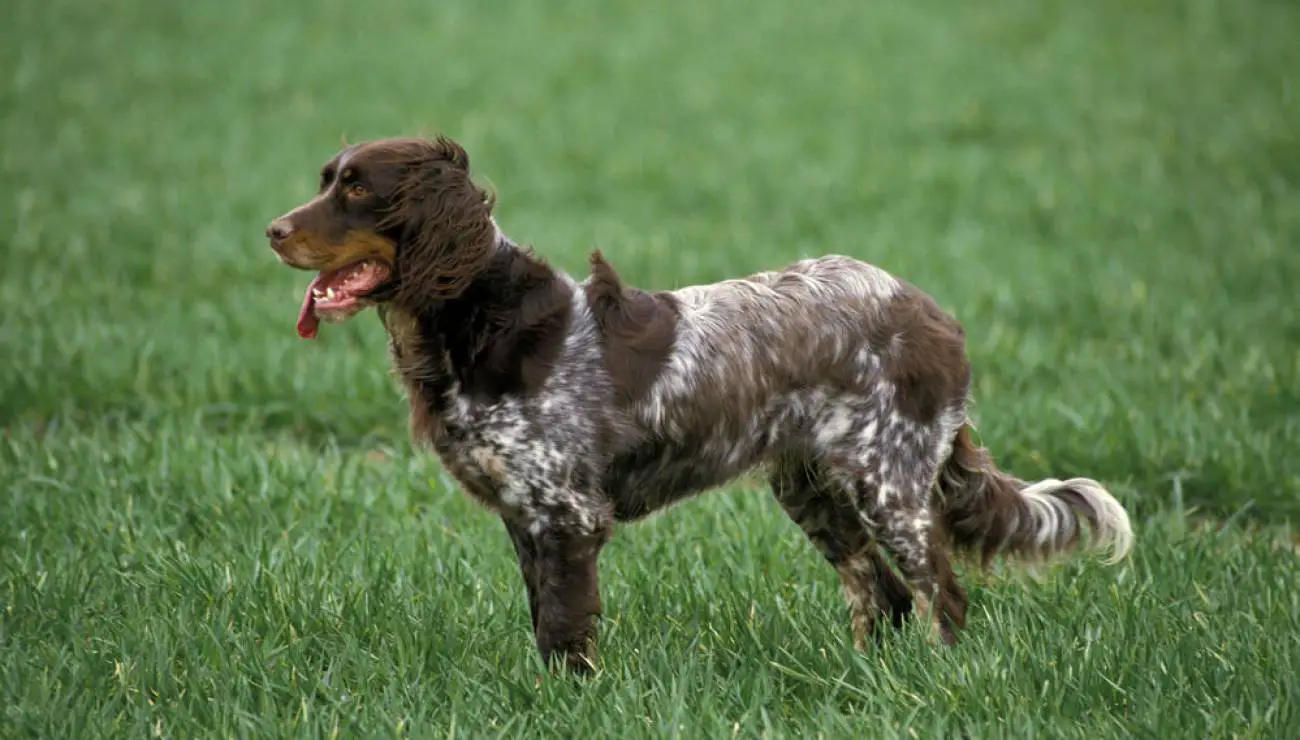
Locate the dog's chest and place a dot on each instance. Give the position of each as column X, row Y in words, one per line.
column 502, row 455
column 504, row 449
column 477, row 461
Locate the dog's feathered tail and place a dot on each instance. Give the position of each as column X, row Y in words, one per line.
column 989, row 513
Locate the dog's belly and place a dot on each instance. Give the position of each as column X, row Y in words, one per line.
column 668, row 464
column 657, row 474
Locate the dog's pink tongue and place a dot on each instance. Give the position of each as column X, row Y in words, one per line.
column 308, row 322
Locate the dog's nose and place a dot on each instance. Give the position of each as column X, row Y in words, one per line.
column 279, row 230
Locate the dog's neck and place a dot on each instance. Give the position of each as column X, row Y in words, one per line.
column 502, row 239
column 499, row 336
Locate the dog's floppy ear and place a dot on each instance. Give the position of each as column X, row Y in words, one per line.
column 444, row 221
column 452, row 152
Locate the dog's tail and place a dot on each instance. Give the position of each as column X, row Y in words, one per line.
column 989, row 513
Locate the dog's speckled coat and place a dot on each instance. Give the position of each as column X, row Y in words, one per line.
column 567, row 406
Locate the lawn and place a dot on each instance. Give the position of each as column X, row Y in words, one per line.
column 210, row 528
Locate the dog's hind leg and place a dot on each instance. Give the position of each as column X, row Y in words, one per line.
column 833, row 526
column 891, row 487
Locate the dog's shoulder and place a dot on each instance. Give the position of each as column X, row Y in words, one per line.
column 638, row 328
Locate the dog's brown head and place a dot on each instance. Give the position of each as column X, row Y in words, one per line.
column 395, row 220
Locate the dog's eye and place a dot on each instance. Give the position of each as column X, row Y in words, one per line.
column 357, row 190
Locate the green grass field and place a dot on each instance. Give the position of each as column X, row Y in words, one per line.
column 210, row 528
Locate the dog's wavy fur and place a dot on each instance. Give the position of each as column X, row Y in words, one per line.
column 567, row 407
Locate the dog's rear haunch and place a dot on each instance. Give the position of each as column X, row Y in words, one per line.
column 567, row 407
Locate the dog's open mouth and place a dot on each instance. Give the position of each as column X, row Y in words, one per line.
column 338, row 294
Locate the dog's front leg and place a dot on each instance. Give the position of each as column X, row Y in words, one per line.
column 562, row 549
column 526, row 551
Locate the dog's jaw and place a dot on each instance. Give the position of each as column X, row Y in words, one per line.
column 338, row 295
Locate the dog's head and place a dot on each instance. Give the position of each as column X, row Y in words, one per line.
column 394, row 220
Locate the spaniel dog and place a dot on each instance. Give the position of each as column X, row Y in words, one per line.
column 568, row 406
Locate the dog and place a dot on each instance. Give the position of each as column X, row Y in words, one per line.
column 568, row 407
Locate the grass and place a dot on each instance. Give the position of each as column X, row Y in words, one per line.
column 210, row 528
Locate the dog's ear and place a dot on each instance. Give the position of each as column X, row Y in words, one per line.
column 452, row 152
column 444, row 222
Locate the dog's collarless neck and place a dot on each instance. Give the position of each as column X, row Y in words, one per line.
column 502, row 333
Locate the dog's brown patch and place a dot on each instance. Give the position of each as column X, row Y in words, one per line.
column 638, row 328
column 923, row 353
